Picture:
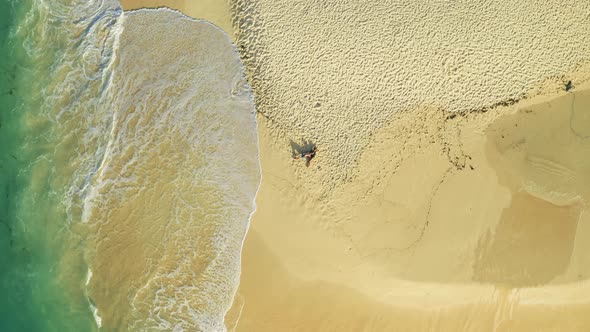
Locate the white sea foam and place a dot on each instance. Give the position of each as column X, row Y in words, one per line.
column 73, row 83
column 97, row 317
column 176, row 183
column 93, row 308
column 70, row 47
column 156, row 135
column 88, row 277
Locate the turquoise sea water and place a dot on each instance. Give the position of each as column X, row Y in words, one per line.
column 102, row 171
column 42, row 275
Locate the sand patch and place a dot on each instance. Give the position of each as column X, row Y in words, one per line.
column 448, row 226
column 540, row 154
column 532, row 243
column 397, row 222
column 287, row 303
column 335, row 72
column 214, row 11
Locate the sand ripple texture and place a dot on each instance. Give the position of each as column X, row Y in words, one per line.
column 170, row 203
column 333, row 71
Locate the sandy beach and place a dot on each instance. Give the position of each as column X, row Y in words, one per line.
column 430, row 236
column 450, row 188
column 214, row 11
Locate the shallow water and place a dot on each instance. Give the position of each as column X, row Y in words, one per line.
column 109, row 198
column 43, row 269
column 170, row 204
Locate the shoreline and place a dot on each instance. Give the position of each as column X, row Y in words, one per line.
column 414, row 237
column 151, row 136
column 215, row 12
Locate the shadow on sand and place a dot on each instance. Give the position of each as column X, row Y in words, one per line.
column 298, row 150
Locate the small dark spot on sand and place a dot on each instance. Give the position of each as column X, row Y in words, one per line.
column 472, row 168
column 569, row 85
column 451, row 117
column 317, row 105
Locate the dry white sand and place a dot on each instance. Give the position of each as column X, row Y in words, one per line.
column 334, row 72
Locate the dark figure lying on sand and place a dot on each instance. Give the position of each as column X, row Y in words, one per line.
column 308, row 156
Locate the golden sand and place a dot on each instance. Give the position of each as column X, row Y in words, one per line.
column 468, row 223
column 430, row 206
column 214, row 11
column 336, row 72
column 412, row 217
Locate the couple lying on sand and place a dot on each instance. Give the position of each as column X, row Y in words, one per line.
column 308, row 156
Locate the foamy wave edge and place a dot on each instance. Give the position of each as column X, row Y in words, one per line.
column 119, row 29
column 93, row 308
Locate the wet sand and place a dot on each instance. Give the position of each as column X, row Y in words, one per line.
column 471, row 222
column 433, row 203
column 169, row 205
column 214, row 11
column 413, row 217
